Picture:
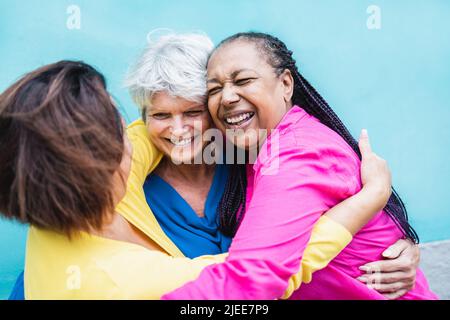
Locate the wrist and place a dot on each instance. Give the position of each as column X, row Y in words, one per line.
column 377, row 195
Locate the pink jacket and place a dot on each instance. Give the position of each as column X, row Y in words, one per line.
column 303, row 169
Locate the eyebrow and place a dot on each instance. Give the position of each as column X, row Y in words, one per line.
column 194, row 105
column 233, row 75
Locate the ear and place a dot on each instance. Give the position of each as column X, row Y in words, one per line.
column 287, row 82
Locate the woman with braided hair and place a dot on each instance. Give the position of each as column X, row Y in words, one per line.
column 313, row 164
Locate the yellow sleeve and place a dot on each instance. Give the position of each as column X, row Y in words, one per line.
column 94, row 268
column 328, row 239
column 145, row 155
column 153, row 274
column 134, row 206
column 150, row 274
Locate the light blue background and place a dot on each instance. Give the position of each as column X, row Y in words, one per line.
column 394, row 81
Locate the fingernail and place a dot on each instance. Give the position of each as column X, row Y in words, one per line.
column 364, row 132
column 364, row 268
column 387, row 253
column 362, row 279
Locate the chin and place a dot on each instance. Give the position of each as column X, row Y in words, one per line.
column 185, row 156
column 249, row 145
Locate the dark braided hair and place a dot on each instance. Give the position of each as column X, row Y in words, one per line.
column 232, row 205
column 280, row 58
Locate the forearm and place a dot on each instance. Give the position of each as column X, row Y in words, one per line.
column 328, row 239
column 354, row 212
column 149, row 275
column 243, row 279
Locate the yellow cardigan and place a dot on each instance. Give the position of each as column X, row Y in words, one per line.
column 92, row 267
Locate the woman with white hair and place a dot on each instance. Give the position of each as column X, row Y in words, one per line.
column 136, row 259
column 168, row 84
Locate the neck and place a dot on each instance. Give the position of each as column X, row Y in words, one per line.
column 117, row 228
column 191, row 172
column 111, row 227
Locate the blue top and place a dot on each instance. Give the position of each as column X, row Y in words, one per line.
column 193, row 235
column 18, row 290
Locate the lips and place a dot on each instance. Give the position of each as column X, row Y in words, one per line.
column 238, row 118
column 181, row 142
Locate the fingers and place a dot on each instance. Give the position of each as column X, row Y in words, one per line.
column 364, row 143
column 398, row 264
column 395, row 295
column 396, row 249
column 389, row 278
column 391, row 285
column 396, row 276
column 386, row 287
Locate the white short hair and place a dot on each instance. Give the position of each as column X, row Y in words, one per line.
column 174, row 63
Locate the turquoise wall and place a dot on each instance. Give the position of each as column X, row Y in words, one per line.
column 394, row 81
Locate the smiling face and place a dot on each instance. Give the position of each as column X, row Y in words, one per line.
column 175, row 125
column 245, row 93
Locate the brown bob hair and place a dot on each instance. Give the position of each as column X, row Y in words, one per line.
column 61, row 141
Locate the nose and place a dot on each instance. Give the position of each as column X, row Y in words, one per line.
column 178, row 127
column 229, row 96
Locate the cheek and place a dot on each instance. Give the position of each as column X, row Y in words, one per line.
column 202, row 122
column 126, row 168
column 120, row 177
column 206, row 121
column 269, row 117
column 156, row 128
column 213, row 107
column 127, row 159
column 270, row 108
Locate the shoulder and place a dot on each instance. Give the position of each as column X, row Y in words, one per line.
column 307, row 147
column 144, row 151
column 136, row 126
column 137, row 131
column 308, row 136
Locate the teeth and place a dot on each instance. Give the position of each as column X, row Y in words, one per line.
column 182, row 142
column 237, row 119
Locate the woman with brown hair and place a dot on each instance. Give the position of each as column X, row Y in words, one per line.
column 66, row 168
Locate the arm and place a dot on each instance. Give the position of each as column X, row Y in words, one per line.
column 335, row 228
column 143, row 274
column 275, row 231
column 397, row 273
column 356, row 211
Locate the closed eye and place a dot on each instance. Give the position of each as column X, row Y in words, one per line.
column 160, row 116
column 214, row 90
column 244, row 81
column 194, row 113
